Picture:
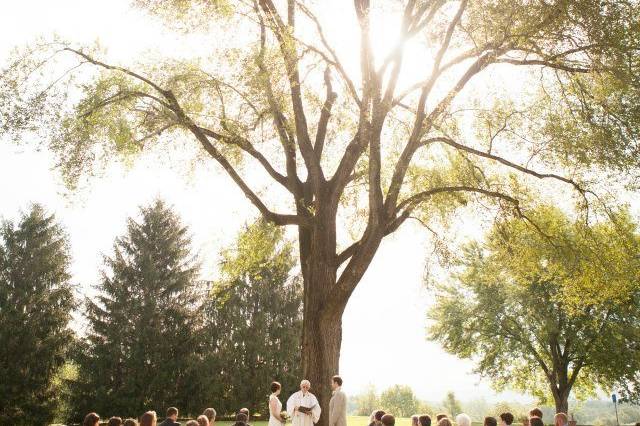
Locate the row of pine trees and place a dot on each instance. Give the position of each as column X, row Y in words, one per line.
column 151, row 333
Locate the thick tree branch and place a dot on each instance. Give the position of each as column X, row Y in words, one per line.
column 276, row 218
column 287, row 140
column 397, row 57
column 117, row 68
column 423, row 124
column 248, row 147
column 544, row 63
column 325, row 114
column 501, row 160
column 183, row 119
column 289, row 55
column 427, row 83
column 334, row 60
column 415, row 26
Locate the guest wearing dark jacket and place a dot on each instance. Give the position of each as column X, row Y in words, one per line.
column 424, row 420
column 172, row 417
column 91, row 419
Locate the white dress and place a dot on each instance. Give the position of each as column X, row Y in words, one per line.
column 273, row 420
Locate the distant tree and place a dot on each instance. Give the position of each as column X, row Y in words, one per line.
column 141, row 343
column 253, row 321
column 477, row 408
column 67, row 374
column 36, row 300
column 367, row 401
column 399, row 400
column 425, row 407
column 451, row 404
column 535, row 306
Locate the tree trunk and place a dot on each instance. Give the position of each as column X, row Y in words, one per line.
column 562, row 402
column 322, row 337
column 561, row 390
column 322, row 321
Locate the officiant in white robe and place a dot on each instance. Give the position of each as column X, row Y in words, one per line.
column 303, row 398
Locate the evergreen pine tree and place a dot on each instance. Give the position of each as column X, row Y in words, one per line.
column 254, row 321
column 36, row 300
column 139, row 351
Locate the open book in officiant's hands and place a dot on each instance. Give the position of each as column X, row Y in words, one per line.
column 305, row 410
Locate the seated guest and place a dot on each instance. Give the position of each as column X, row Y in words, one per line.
column 211, row 415
column 536, row 421
column 91, row 419
column 506, row 419
column 560, row 419
column 237, row 423
column 441, row 416
column 192, row 423
column 490, row 421
column 424, row 420
column 130, row 422
column 388, row 420
column 245, row 411
column 172, row 417
column 148, row 419
column 415, row 421
column 242, row 417
column 376, row 418
column 535, row 412
column 115, row 421
column 445, row 422
column 463, row 420
column 202, row 420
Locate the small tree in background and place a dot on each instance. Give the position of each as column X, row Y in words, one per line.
column 367, row 401
column 451, row 404
column 142, row 339
column 36, row 299
column 253, row 322
column 399, row 400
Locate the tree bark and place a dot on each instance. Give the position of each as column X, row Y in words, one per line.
column 562, row 402
column 322, row 337
column 561, row 389
column 322, row 320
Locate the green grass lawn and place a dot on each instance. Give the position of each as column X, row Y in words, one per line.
column 351, row 421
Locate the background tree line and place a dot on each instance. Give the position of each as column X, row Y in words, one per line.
column 156, row 334
column 402, row 399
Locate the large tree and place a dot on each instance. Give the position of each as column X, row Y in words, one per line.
column 513, row 307
column 372, row 147
column 36, row 300
column 253, row 322
column 142, row 338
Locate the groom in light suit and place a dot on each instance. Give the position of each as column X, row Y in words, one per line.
column 337, row 404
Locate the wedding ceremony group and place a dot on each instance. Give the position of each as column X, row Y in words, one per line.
column 302, row 408
column 204, row 201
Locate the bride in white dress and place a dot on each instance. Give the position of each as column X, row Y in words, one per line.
column 275, row 406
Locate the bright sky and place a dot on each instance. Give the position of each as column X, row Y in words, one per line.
column 214, row 210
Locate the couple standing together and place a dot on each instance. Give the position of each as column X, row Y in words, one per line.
column 303, row 407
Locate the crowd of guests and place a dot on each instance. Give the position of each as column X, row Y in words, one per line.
column 380, row 418
column 207, row 418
